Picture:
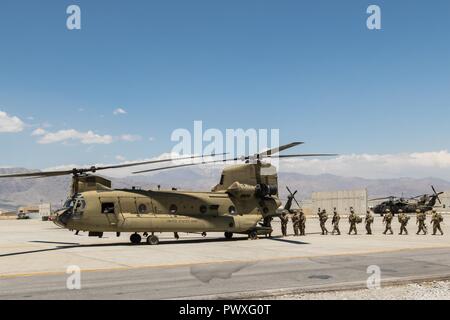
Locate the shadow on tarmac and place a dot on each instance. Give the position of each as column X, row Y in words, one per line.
column 72, row 245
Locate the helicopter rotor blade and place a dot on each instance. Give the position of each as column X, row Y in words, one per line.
column 437, row 194
column 273, row 151
column 293, row 195
column 384, row 198
column 75, row 171
column 305, row 155
column 289, row 190
column 245, row 158
column 298, row 204
column 186, row 165
column 434, row 190
column 44, row 174
column 133, row 164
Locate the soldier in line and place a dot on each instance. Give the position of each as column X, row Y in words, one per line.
column 302, row 222
column 319, row 213
column 369, row 220
column 436, row 220
column 353, row 220
column 267, row 222
column 403, row 218
column 284, row 222
column 323, row 217
column 335, row 222
column 388, row 221
column 421, row 218
column 295, row 222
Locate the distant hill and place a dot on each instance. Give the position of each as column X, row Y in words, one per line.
column 17, row 192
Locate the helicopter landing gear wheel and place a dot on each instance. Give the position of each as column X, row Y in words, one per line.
column 253, row 235
column 153, row 240
column 228, row 235
column 135, row 238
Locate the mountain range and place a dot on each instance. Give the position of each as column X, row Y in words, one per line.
column 18, row 192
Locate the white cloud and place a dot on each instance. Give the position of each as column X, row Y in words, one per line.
column 120, row 158
column 130, row 137
column 38, row 132
column 88, row 137
column 376, row 166
column 119, row 111
column 151, row 139
column 10, row 124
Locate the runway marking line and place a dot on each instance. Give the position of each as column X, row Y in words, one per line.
column 48, row 273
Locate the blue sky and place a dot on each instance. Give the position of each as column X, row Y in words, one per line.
column 310, row 68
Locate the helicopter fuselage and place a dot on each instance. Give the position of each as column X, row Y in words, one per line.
column 163, row 211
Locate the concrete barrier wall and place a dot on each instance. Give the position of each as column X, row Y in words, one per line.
column 445, row 206
column 342, row 200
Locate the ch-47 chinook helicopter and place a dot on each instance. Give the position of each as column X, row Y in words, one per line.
column 246, row 193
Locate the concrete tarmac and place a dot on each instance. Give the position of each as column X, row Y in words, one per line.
column 34, row 257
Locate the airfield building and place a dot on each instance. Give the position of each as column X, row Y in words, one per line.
column 35, row 211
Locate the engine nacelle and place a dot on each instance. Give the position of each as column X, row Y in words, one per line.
column 265, row 190
column 241, row 191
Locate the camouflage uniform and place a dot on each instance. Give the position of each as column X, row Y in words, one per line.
column 421, row 218
column 352, row 220
column 335, row 222
column 296, row 222
column 403, row 218
column 436, row 220
column 369, row 220
column 323, row 219
column 388, row 221
column 268, row 224
column 302, row 222
column 284, row 222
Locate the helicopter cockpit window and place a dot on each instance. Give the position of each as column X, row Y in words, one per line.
column 78, row 209
column 69, row 203
column 107, row 207
column 81, row 204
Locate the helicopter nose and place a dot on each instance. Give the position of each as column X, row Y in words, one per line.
column 62, row 217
